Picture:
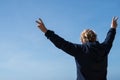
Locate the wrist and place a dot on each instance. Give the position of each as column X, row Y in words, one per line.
column 45, row 30
column 113, row 26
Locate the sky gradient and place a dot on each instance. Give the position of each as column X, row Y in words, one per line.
column 26, row 54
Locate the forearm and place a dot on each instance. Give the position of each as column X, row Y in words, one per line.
column 110, row 36
column 55, row 39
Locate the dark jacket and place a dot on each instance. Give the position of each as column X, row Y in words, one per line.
column 91, row 57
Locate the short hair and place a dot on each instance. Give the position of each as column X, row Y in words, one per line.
column 88, row 35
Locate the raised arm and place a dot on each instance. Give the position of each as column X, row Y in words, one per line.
column 111, row 34
column 58, row 41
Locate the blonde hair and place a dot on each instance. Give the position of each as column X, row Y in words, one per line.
column 88, row 35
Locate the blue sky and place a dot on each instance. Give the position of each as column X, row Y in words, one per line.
column 26, row 54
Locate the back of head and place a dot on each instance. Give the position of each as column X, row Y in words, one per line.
column 88, row 35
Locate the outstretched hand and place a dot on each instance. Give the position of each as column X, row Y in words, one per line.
column 41, row 25
column 114, row 22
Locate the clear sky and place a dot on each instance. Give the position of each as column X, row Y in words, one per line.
column 26, row 54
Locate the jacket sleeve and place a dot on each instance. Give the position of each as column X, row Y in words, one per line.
column 109, row 39
column 60, row 43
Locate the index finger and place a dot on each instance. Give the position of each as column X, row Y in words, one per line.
column 116, row 18
column 37, row 22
